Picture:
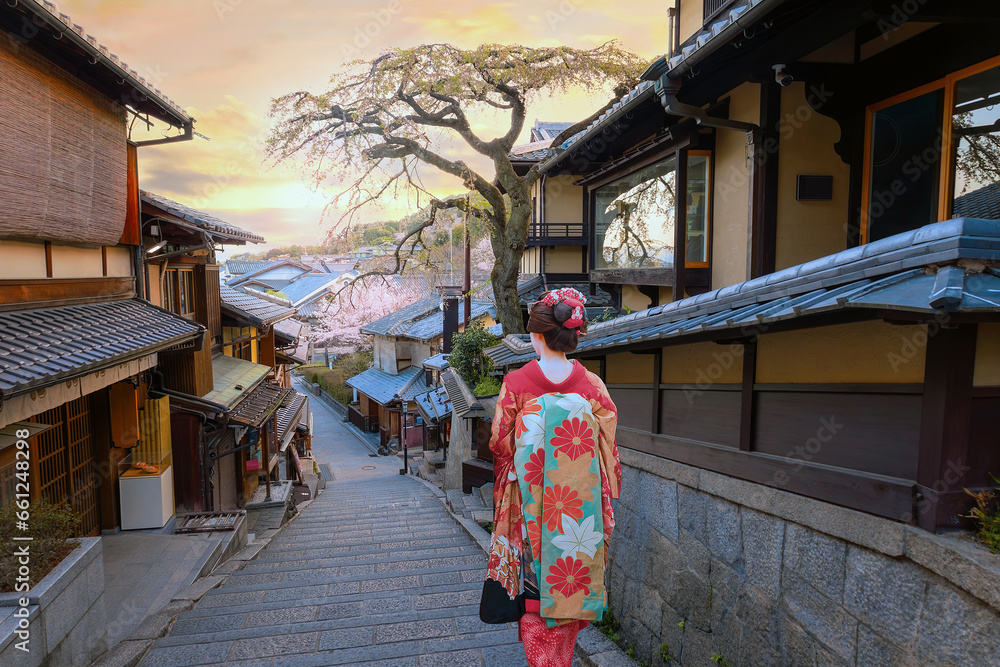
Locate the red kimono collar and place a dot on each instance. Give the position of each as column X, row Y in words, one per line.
column 538, row 377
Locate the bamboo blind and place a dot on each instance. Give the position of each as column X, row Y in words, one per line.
column 154, row 430
column 62, row 154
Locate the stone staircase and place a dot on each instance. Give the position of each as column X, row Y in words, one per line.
column 477, row 506
column 430, row 466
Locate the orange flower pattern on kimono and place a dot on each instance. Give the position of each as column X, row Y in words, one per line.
column 580, row 447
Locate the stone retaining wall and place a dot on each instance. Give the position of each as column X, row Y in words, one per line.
column 68, row 623
column 705, row 565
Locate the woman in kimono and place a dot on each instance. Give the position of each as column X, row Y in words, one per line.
column 557, row 469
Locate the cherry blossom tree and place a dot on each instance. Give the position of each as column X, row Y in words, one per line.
column 361, row 303
column 384, row 122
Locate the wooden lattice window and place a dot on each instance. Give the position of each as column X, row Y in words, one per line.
column 7, row 484
column 65, row 470
column 179, row 293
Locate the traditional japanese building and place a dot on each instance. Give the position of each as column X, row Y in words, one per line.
column 810, row 382
column 79, row 340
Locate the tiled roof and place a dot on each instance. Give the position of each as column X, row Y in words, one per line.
column 258, row 312
column 101, row 56
column 532, row 290
column 382, row 387
column 303, row 287
column 396, row 323
column 237, row 281
column 463, row 402
column 507, row 355
column 736, row 17
column 438, row 362
column 40, row 346
column 548, row 130
column 434, row 406
column 982, row 203
column 312, row 309
column 289, row 330
column 623, row 106
column 203, row 221
column 532, row 152
column 259, row 404
column 913, row 272
column 237, row 267
column 232, row 378
column 291, row 414
column 432, row 326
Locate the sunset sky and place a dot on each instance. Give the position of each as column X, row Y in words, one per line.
column 224, row 60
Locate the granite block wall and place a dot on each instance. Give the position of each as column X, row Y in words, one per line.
column 703, row 565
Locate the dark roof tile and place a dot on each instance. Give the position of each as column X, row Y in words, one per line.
column 39, row 347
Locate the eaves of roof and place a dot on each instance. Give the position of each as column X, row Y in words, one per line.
column 256, row 312
column 40, row 347
column 915, row 272
column 145, row 96
column 382, row 387
column 628, row 103
column 200, row 220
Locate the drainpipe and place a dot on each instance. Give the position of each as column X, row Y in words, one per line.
column 667, row 89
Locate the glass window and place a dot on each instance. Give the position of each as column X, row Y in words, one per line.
column 170, row 290
column 904, row 165
column 698, row 189
column 634, row 218
column 976, row 137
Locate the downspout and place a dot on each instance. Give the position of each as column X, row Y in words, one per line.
column 667, row 89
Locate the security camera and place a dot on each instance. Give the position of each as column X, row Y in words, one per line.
column 781, row 77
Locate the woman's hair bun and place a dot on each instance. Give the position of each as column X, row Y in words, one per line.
column 562, row 312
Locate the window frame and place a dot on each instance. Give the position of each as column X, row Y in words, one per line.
column 946, row 181
column 709, row 196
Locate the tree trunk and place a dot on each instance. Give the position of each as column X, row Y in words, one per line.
column 508, row 250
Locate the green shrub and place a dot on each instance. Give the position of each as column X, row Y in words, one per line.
column 333, row 380
column 51, row 528
column 487, row 387
column 986, row 514
column 467, row 356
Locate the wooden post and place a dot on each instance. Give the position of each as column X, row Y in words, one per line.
column 944, row 426
column 746, row 396
column 654, row 427
column 267, row 457
column 467, row 284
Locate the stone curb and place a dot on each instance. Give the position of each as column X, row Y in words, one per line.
column 129, row 651
column 593, row 648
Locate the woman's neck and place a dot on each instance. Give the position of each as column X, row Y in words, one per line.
column 554, row 365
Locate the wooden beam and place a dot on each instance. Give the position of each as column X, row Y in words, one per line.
column 654, row 426
column 876, row 494
column 747, row 395
column 944, row 428
column 680, row 228
column 62, row 291
column 765, row 183
column 48, row 259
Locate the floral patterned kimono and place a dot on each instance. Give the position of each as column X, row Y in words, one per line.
column 557, row 469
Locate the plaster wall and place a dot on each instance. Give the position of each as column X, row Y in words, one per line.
column 987, row 371
column 70, row 262
column 730, row 220
column 155, row 289
column 385, row 355
column 808, row 229
column 119, row 262
column 21, row 261
column 702, row 362
column 633, row 299
column 863, row 352
column 563, row 259
column 563, row 201
column 691, row 17
column 628, row 368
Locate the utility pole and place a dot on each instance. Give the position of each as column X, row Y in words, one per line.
column 467, row 286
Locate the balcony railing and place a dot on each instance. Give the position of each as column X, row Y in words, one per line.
column 558, row 233
column 367, row 423
column 715, row 7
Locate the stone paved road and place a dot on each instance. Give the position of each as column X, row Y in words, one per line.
column 372, row 572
